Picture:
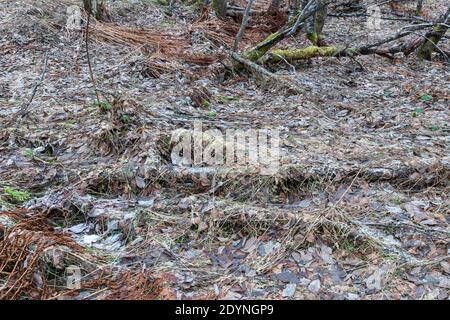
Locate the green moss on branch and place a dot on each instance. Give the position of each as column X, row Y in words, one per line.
column 290, row 55
column 261, row 48
column 428, row 46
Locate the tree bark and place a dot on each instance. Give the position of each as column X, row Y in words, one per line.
column 315, row 23
column 433, row 37
column 220, row 8
column 289, row 29
column 243, row 25
column 275, row 4
column 97, row 9
column 419, row 7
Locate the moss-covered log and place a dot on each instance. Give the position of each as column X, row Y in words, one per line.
column 261, row 48
column 432, row 38
column 279, row 55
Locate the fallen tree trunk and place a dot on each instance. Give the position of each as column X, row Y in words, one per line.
column 294, row 24
column 433, row 37
column 279, row 55
column 290, row 55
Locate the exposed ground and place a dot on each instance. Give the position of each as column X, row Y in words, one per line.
column 358, row 210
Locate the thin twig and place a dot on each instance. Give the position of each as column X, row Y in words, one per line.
column 91, row 73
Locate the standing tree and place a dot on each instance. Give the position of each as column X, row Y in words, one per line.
column 315, row 23
column 220, row 8
column 433, row 37
column 419, row 7
column 96, row 8
column 275, row 4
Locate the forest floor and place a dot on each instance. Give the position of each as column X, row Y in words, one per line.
column 359, row 208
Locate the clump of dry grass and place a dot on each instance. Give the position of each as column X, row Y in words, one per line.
column 164, row 52
column 224, row 32
column 34, row 257
column 22, row 253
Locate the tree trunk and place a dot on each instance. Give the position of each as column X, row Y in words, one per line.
column 315, row 23
column 220, row 8
column 289, row 29
column 275, row 4
column 433, row 37
column 419, row 7
column 97, row 9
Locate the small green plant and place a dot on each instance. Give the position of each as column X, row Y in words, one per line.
column 104, row 106
column 28, row 153
column 425, row 98
column 416, row 112
column 165, row 145
column 205, row 104
column 17, row 195
column 387, row 93
column 397, row 200
column 212, row 114
column 349, row 245
column 434, row 128
column 225, row 99
column 166, row 140
column 291, row 138
column 181, row 239
column 69, row 123
column 124, row 118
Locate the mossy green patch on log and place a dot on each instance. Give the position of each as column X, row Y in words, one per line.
column 219, row 7
column 290, row 55
column 313, row 37
column 301, row 54
column 260, row 49
column 426, row 49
